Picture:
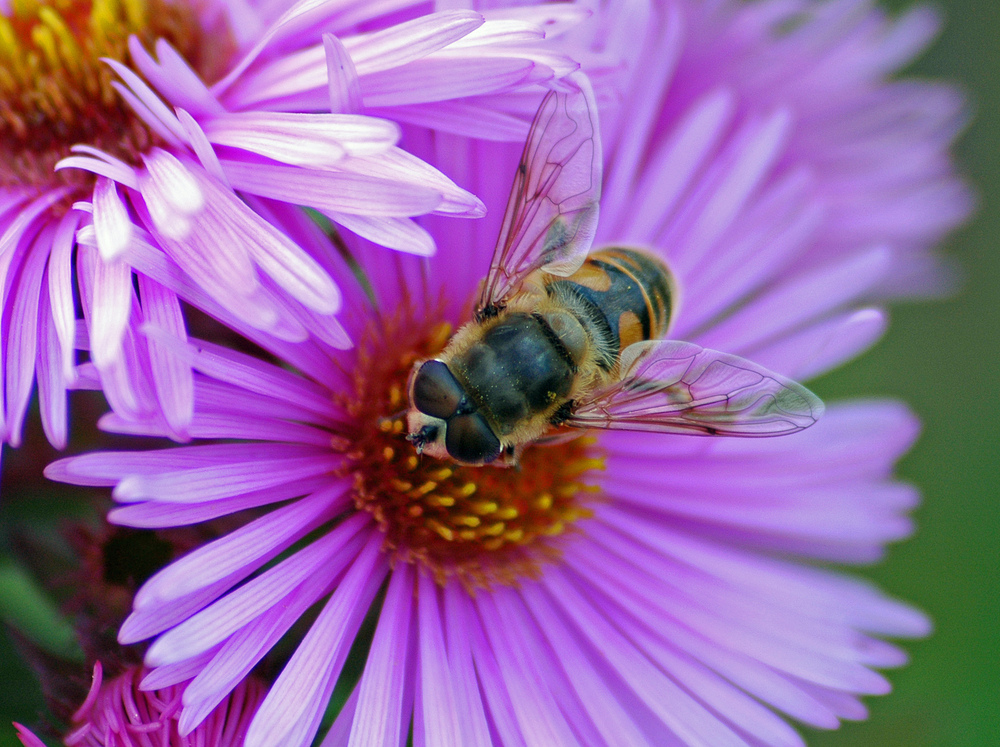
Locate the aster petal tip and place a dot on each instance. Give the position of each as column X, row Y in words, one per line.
column 27, row 737
column 130, row 489
column 112, row 224
column 173, row 182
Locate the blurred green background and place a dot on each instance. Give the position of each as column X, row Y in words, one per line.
column 942, row 358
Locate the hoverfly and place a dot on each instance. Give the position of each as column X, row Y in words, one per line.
column 561, row 340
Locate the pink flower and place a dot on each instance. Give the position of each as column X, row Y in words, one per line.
column 118, row 712
column 176, row 156
column 622, row 588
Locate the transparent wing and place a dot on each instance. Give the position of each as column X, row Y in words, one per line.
column 551, row 214
column 678, row 387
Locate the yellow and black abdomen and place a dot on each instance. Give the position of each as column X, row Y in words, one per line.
column 621, row 296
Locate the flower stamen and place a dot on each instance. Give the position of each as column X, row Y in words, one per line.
column 55, row 90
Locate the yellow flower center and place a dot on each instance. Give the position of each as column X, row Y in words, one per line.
column 55, row 92
column 484, row 526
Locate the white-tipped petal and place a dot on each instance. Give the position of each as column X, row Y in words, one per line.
column 111, row 220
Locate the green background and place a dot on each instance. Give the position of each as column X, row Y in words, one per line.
column 942, row 358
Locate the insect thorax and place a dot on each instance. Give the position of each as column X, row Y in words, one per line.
column 515, row 371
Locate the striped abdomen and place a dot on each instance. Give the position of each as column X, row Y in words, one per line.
column 622, row 296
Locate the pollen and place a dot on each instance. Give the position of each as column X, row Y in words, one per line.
column 55, row 91
column 485, row 526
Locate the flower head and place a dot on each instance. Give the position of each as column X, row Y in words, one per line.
column 119, row 712
column 620, row 588
column 176, row 158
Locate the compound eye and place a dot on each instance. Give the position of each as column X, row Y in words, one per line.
column 435, row 391
column 470, row 439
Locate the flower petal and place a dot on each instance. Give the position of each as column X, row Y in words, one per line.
column 333, row 190
column 218, row 621
column 379, row 718
column 345, row 88
column 111, row 220
column 304, row 685
column 311, row 140
column 172, row 378
column 238, row 553
column 21, row 343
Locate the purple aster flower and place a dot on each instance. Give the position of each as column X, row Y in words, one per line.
column 118, row 712
column 623, row 588
column 176, row 156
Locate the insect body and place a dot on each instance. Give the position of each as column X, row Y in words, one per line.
column 563, row 339
column 619, row 296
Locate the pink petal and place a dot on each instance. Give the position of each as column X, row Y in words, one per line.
column 240, row 552
column 111, row 220
column 173, row 674
column 825, row 345
column 411, row 40
column 538, row 715
column 333, row 190
column 172, row 378
column 172, row 194
column 595, row 692
column 304, row 685
column 796, row 301
column 222, row 480
column 310, row 140
column 60, row 287
column 379, row 718
column 675, row 708
column 21, row 345
column 116, row 171
column 147, row 104
column 160, row 515
column 215, row 623
column 110, row 305
column 440, row 79
column 469, row 703
column 51, row 381
column 395, row 233
column 441, row 718
column 173, row 77
column 202, row 148
column 345, row 89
